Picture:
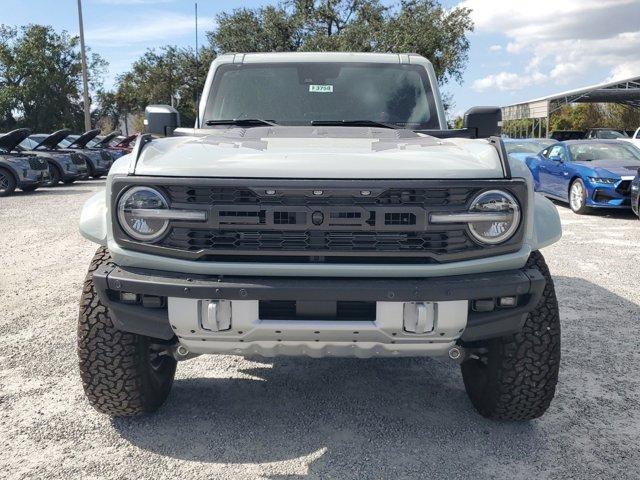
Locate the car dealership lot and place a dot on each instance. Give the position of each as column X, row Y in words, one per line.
column 300, row 418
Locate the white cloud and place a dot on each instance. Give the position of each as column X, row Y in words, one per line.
column 155, row 26
column 563, row 39
column 131, row 2
column 495, row 48
column 507, row 81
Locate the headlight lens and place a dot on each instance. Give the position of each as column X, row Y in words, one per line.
column 139, row 228
column 493, row 232
column 607, row 181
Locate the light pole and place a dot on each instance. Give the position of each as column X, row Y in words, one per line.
column 85, row 81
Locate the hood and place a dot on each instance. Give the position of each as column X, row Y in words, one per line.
column 11, row 140
column 126, row 141
column 612, row 168
column 54, row 139
column 86, row 137
column 105, row 141
column 318, row 152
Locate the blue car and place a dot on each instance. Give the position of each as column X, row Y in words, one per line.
column 586, row 173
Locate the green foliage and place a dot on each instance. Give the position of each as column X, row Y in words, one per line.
column 167, row 75
column 41, row 78
column 420, row 26
column 583, row 116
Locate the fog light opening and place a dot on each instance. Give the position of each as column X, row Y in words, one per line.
column 507, row 301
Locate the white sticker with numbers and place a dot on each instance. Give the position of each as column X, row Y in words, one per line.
column 321, row 88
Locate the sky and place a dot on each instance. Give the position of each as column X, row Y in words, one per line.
column 520, row 49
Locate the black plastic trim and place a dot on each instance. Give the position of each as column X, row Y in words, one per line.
column 526, row 284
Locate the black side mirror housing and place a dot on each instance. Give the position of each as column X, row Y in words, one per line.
column 485, row 121
column 161, row 120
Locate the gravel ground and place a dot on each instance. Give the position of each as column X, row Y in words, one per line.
column 228, row 417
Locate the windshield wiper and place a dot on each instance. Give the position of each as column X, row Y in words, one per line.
column 353, row 123
column 242, row 122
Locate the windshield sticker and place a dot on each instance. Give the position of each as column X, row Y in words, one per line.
column 321, row 88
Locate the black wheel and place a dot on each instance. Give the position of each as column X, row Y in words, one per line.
column 55, row 175
column 69, row 181
column 514, row 377
column 30, row 188
column 96, row 176
column 122, row 373
column 578, row 197
column 7, row 182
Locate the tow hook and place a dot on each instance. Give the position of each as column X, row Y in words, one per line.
column 457, row 354
column 180, row 352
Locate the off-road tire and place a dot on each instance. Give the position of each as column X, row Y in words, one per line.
column 515, row 378
column 30, row 188
column 8, row 182
column 118, row 372
column 69, row 181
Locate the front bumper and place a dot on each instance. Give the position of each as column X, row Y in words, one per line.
column 380, row 336
column 33, row 178
column 607, row 196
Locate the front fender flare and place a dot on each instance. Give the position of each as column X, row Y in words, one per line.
column 547, row 228
column 93, row 219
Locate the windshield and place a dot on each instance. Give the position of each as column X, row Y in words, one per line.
column 31, row 142
column 68, row 141
column 300, row 93
column 586, row 152
column 527, row 147
column 611, row 134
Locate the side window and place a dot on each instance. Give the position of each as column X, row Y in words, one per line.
column 557, row 151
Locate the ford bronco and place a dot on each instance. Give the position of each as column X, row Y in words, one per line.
column 320, row 207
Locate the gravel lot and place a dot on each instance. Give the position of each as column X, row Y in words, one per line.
column 229, row 417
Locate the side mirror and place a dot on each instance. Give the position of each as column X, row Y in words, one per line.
column 161, row 120
column 485, row 121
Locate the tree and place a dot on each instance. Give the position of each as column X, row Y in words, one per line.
column 420, row 26
column 41, row 78
column 165, row 76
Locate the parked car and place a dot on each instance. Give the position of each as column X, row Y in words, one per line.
column 635, row 193
column 99, row 161
column 634, row 139
column 563, row 135
column 103, row 143
column 66, row 167
column 19, row 170
column 521, row 148
column 124, row 144
column 586, row 173
column 331, row 229
column 605, row 134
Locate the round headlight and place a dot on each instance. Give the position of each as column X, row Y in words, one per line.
column 133, row 219
column 504, row 224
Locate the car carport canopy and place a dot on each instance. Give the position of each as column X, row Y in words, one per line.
column 624, row 92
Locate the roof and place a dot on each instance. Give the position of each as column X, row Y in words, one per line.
column 364, row 57
column 625, row 91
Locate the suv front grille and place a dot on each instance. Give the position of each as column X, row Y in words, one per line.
column 317, row 242
column 37, row 164
column 328, row 221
